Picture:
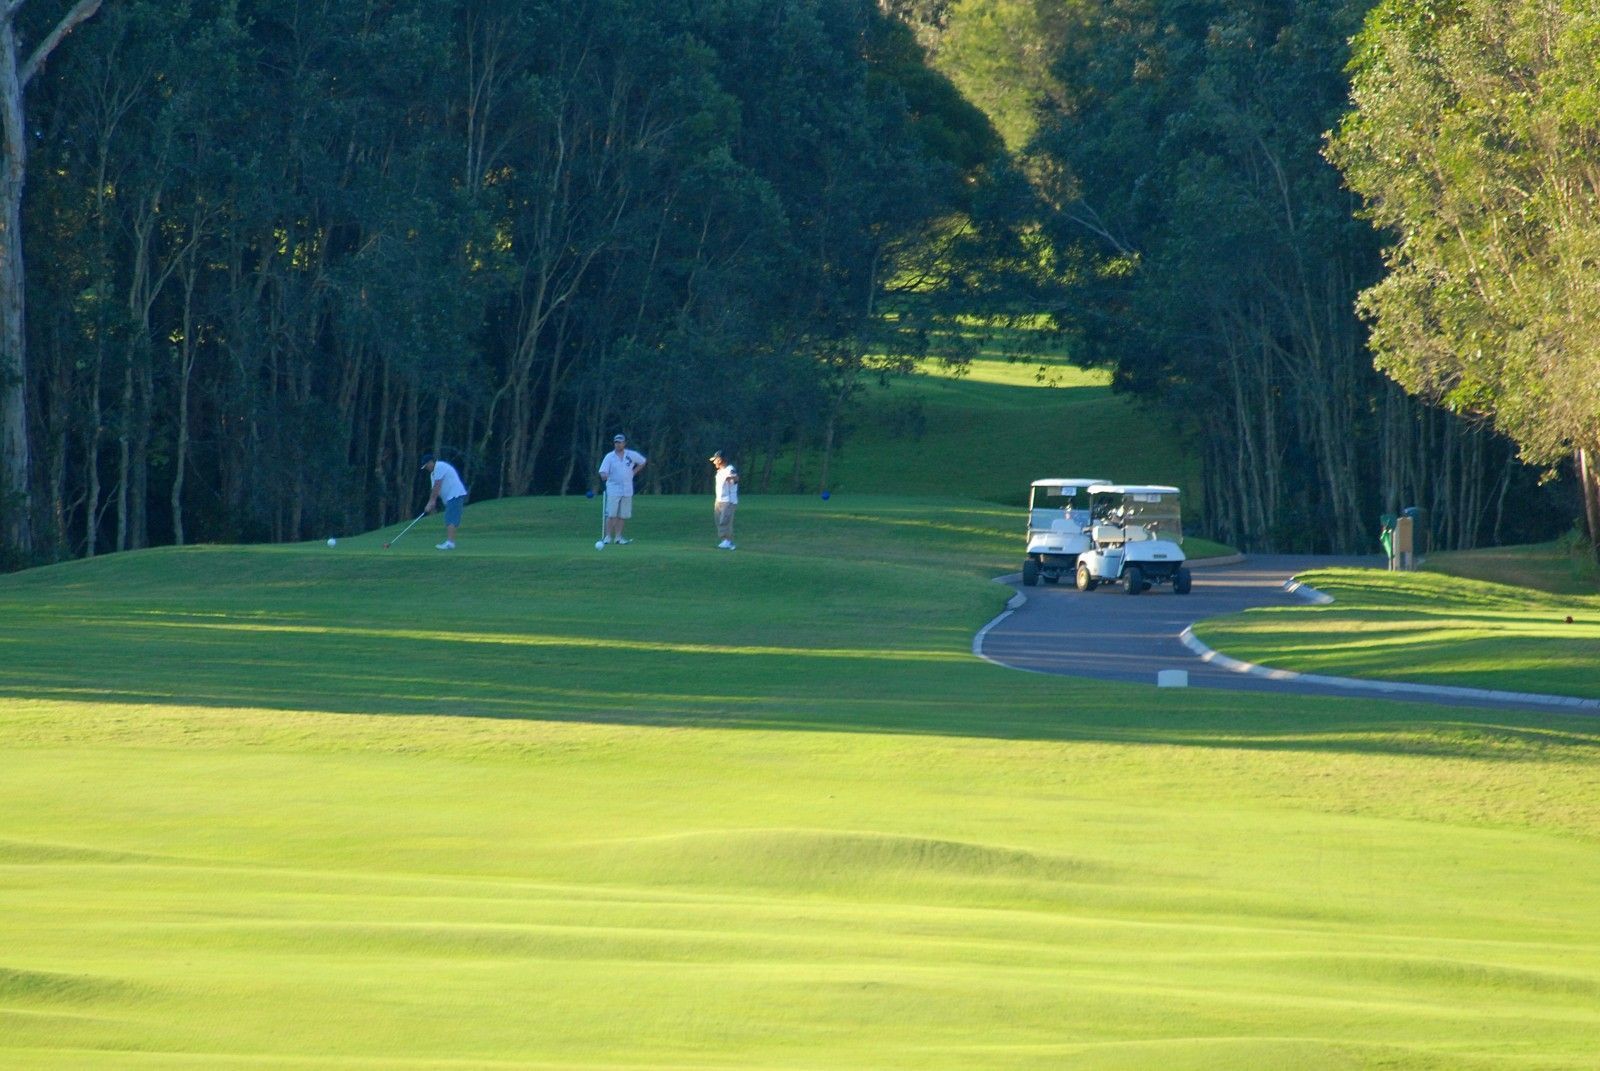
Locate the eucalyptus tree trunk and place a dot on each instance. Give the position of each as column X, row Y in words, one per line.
column 15, row 505
column 186, row 354
column 1589, row 479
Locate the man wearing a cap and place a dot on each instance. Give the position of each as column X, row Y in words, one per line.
column 447, row 488
column 619, row 468
column 726, row 499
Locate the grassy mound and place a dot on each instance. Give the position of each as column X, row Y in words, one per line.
column 535, row 805
column 1429, row 628
column 1563, row 567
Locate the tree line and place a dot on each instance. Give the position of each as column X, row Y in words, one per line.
column 1215, row 258
column 279, row 248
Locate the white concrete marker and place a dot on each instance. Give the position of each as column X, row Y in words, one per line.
column 1172, row 678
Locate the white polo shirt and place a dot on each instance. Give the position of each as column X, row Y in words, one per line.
column 449, row 481
column 728, row 485
column 618, row 471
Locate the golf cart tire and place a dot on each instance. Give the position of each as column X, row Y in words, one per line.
column 1030, row 573
column 1133, row 579
column 1182, row 582
column 1086, row 580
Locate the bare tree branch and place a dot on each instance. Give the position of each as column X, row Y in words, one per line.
column 82, row 10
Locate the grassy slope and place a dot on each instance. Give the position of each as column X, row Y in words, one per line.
column 1519, row 618
column 989, row 431
column 532, row 805
column 1560, row 568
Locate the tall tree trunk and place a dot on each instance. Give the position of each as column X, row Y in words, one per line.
column 186, row 359
column 16, row 507
column 124, row 454
column 1589, row 479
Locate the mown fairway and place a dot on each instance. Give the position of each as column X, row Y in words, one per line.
column 533, row 805
column 999, row 424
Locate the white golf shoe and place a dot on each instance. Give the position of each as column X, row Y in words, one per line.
column 446, row 545
column 725, row 545
column 623, row 542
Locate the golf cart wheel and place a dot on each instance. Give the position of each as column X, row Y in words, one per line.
column 1182, row 582
column 1030, row 573
column 1086, row 580
column 1133, row 578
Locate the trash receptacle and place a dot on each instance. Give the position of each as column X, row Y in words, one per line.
column 1404, row 556
column 1420, row 544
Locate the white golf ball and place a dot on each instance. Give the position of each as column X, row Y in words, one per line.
column 333, row 542
column 599, row 544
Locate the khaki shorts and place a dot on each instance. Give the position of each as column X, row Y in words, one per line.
column 619, row 506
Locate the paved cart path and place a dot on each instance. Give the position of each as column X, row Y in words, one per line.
column 1108, row 635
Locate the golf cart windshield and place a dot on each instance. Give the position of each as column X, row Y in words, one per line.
column 1050, row 501
column 1154, row 510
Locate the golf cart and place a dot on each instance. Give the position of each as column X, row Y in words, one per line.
column 1135, row 536
column 1058, row 516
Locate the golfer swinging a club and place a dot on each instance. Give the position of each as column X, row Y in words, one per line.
column 447, row 488
column 619, row 468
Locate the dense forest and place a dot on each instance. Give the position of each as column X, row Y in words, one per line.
column 276, row 249
column 1213, row 257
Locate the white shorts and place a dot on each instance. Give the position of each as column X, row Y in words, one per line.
column 619, row 506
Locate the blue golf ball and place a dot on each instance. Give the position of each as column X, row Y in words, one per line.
column 588, row 494
column 824, row 496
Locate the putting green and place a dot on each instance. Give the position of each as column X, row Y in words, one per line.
column 533, row 805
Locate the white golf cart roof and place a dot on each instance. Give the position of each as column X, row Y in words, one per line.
column 1066, row 481
column 1132, row 489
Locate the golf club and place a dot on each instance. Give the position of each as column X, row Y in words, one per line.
column 404, row 530
column 601, row 542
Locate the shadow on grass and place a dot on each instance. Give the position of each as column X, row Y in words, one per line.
column 286, row 664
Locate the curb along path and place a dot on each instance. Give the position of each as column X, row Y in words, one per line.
column 1108, row 636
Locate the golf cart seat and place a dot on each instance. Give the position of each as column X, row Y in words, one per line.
column 1136, row 534
column 1108, row 533
column 1064, row 525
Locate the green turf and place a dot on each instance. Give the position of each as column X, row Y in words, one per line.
column 1015, row 412
column 533, row 805
column 1426, row 627
column 1564, row 567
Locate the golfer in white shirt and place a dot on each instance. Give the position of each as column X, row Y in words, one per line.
column 448, row 489
column 619, row 468
column 726, row 500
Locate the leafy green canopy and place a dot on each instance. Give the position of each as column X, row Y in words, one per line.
column 271, row 270
column 1474, row 139
column 1213, row 260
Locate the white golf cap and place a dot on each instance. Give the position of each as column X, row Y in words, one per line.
column 619, row 438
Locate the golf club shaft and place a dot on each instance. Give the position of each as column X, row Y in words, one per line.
column 408, row 528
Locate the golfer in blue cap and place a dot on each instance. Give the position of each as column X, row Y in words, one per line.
column 447, row 488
